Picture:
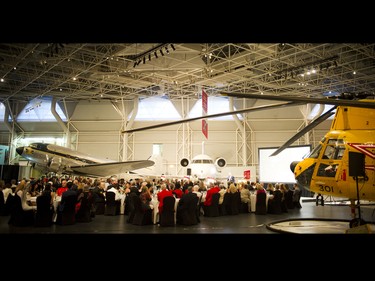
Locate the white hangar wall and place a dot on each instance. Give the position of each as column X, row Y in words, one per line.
column 96, row 129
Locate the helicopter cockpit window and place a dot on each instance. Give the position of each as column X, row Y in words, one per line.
column 334, row 149
column 340, row 152
column 329, row 152
column 327, row 170
column 315, row 152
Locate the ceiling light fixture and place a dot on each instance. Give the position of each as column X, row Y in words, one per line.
column 142, row 57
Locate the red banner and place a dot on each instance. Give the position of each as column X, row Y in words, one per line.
column 204, row 102
column 205, row 128
column 246, row 174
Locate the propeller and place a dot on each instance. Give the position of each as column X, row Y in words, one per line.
column 263, row 107
column 313, row 124
column 344, row 102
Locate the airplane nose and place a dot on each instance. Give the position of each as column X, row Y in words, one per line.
column 293, row 165
column 19, row 150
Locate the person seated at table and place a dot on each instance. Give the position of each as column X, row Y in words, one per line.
column 222, row 192
column 245, row 196
column 48, row 192
column 34, row 188
column 98, row 192
column 145, row 197
column 113, row 187
column 197, row 192
column 22, row 214
column 177, row 190
column 210, row 191
column 164, row 192
column 270, row 188
column 62, row 188
column 22, row 191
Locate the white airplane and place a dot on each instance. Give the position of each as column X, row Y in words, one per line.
column 59, row 159
column 203, row 167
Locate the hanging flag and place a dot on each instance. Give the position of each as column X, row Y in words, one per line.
column 205, row 128
column 204, row 103
column 204, row 112
column 246, row 174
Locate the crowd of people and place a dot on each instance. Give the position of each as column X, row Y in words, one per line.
column 89, row 193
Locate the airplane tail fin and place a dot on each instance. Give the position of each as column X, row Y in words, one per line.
column 158, row 166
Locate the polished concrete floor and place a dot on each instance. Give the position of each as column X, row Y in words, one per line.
column 327, row 219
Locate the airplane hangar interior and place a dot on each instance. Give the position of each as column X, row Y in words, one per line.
column 294, row 114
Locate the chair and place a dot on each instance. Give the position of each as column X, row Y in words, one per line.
column 44, row 211
column 19, row 217
column 66, row 214
column 2, row 204
column 274, row 204
column 260, row 205
column 223, row 206
column 296, row 199
column 112, row 207
column 213, row 209
column 166, row 217
column 99, row 208
column 131, row 208
column 232, row 203
column 188, row 214
column 9, row 204
column 84, row 212
column 141, row 216
column 289, row 199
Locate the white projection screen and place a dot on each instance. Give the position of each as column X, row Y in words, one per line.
column 273, row 169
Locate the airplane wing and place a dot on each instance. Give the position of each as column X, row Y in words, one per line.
column 107, row 169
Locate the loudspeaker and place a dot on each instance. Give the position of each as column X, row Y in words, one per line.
column 356, row 164
column 189, row 171
column 9, row 172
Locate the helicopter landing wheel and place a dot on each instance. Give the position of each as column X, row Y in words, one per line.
column 356, row 222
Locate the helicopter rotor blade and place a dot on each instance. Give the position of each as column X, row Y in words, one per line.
column 313, row 124
column 263, row 107
column 356, row 103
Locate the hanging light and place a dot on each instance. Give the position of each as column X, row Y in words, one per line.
column 173, row 48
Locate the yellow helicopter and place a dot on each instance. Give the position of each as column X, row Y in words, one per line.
column 343, row 163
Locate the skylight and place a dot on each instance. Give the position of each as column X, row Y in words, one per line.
column 215, row 105
column 39, row 109
column 156, row 108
